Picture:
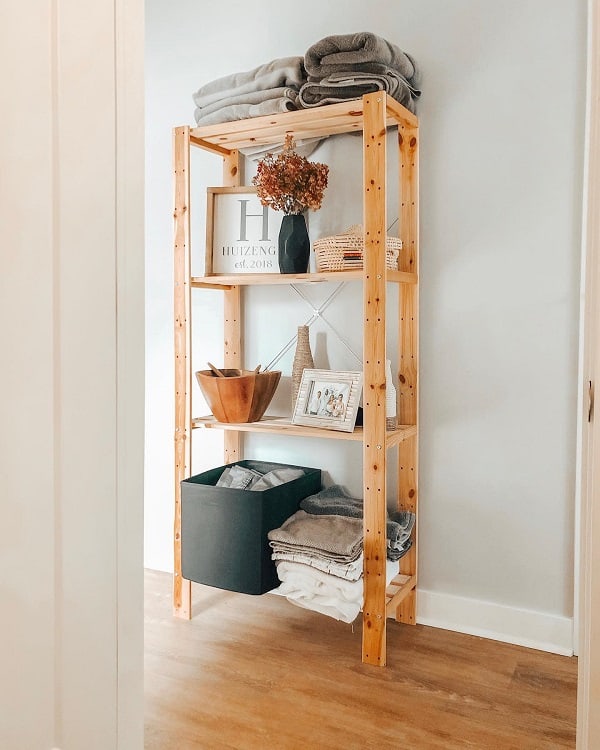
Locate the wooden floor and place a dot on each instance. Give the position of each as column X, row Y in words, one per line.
column 257, row 673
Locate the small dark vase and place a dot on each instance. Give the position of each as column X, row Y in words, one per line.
column 294, row 244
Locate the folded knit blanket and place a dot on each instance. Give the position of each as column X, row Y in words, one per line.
column 334, row 537
column 362, row 51
column 341, row 87
column 285, row 71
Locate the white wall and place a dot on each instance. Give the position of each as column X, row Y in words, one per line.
column 71, row 379
column 501, row 169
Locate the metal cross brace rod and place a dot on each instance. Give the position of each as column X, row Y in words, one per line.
column 316, row 314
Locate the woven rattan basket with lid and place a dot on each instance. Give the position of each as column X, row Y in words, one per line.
column 344, row 252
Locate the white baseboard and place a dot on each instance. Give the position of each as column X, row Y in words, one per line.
column 521, row 627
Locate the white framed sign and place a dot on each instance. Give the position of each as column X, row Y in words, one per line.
column 241, row 234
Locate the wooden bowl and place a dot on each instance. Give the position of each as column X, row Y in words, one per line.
column 238, row 398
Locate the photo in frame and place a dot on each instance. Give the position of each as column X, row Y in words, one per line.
column 241, row 234
column 328, row 399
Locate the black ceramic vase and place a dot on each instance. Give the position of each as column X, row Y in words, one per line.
column 294, row 244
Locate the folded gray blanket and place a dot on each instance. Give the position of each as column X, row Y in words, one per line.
column 362, row 51
column 242, row 111
column 341, row 87
column 335, row 500
column 285, row 71
column 251, row 97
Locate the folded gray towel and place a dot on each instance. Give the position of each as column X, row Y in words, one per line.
column 285, row 71
column 334, row 500
column 341, row 87
column 396, row 554
column 362, row 51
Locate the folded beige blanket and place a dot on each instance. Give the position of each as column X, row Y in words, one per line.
column 336, row 537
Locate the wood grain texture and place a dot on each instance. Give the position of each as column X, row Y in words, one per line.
column 232, row 309
column 283, row 426
column 374, row 317
column 255, row 672
column 319, row 121
column 183, row 369
column 408, row 349
column 248, row 279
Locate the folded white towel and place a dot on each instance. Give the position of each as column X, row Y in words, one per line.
column 314, row 581
column 351, row 571
column 312, row 589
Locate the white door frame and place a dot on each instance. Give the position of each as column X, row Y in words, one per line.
column 588, row 574
column 72, row 375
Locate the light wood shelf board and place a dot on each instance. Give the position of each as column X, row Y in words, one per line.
column 318, row 121
column 395, row 437
column 398, row 589
column 226, row 281
column 283, row 426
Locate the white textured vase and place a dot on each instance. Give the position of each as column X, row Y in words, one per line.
column 391, row 418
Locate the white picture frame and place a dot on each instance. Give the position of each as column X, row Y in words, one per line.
column 328, row 399
column 241, row 234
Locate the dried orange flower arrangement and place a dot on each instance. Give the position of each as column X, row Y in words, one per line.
column 289, row 182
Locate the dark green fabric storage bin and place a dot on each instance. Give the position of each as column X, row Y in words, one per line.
column 224, row 531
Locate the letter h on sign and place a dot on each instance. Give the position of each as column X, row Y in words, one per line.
column 244, row 215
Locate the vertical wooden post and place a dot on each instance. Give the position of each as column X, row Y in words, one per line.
column 408, row 348
column 232, row 441
column 182, row 589
column 374, row 450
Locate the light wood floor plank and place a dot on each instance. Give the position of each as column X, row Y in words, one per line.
column 257, row 673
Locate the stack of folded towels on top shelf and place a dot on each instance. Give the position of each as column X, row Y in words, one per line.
column 318, row 552
column 349, row 65
column 335, row 69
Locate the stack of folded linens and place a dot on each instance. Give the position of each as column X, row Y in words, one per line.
column 318, row 552
column 346, row 66
column 266, row 90
column 319, row 563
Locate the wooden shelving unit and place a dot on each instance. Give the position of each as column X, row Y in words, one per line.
column 373, row 115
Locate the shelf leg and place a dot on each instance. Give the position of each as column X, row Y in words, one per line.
column 408, row 348
column 232, row 441
column 182, row 589
column 374, row 311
